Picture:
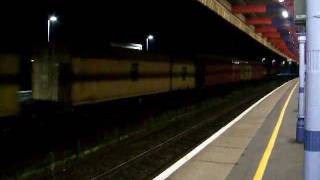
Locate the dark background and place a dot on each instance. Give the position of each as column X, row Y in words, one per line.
column 180, row 27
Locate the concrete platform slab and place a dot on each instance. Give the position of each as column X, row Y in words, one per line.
column 219, row 155
column 201, row 170
column 231, row 142
column 242, row 130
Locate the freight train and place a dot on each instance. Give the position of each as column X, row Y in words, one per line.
column 77, row 80
column 9, row 84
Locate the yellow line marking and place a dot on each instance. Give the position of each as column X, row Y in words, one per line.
column 266, row 155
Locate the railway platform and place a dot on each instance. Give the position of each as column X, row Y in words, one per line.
column 258, row 144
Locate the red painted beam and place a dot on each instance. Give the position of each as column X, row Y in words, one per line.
column 280, row 46
column 259, row 21
column 272, row 35
column 249, row 9
column 265, row 29
column 276, row 41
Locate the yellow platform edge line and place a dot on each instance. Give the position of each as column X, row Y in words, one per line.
column 266, row 155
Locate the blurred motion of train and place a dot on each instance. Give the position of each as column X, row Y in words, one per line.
column 76, row 80
column 9, row 84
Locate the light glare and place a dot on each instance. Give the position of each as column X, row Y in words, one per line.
column 150, row 37
column 285, row 14
column 53, row 18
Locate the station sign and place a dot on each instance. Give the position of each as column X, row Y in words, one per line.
column 300, row 12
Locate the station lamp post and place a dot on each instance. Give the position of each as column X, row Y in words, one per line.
column 52, row 19
column 149, row 38
column 300, row 122
column 312, row 121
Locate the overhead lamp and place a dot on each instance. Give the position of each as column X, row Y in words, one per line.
column 285, row 13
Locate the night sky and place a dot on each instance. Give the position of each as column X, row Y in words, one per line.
column 180, row 27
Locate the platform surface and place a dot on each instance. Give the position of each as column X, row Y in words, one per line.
column 236, row 153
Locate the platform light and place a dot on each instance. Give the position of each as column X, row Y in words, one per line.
column 285, row 13
column 263, row 59
column 149, row 38
column 281, row 1
column 235, row 62
column 32, row 60
column 134, row 46
column 273, row 61
column 51, row 19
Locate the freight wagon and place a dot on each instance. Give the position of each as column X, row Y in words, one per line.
column 9, row 84
column 75, row 80
column 81, row 80
column 220, row 71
